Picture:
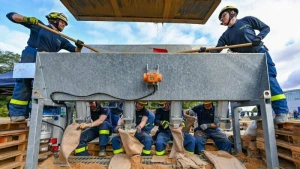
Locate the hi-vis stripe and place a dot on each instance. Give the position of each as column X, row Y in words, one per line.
column 278, row 97
column 81, row 149
column 19, row 102
column 103, row 131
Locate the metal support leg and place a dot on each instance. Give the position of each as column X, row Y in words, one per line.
column 176, row 113
column 269, row 134
column 34, row 134
column 236, row 129
column 129, row 111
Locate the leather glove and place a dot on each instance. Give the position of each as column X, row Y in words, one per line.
column 138, row 129
column 117, row 129
column 85, row 125
column 202, row 49
column 79, row 44
column 31, row 20
column 256, row 41
column 191, row 112
column 204, row 126
column 165, row 124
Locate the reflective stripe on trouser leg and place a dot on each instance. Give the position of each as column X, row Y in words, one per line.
column 118, row 151
column 160, row 153
column 116, row 144
column 147, row 152
column 104, row 133
column 18, row 102
column 81, row 149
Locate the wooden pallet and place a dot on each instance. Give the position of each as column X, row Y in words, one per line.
column 286, row 151
column 12, row 147
column 284, row 135
column 283, row 163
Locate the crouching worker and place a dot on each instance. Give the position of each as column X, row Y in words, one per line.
column 144, row 124
column 162, row 119
column 100, row 127
column 208, row 128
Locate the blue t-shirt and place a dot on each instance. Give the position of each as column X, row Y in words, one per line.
column 49, row 42
column 243, row 31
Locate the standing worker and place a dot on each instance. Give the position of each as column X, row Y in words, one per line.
column 241, row 31
column 207, row 128
column 100, row 127
column 144, row 124
column 164, row 134
column 40, row 40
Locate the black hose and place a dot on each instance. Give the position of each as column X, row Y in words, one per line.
column 54, row 125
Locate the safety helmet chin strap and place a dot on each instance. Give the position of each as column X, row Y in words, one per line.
column 55, row 24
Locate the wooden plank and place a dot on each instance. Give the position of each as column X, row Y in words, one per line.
column 168, row 4
column 9, row 154
column 12, row 143
column 12, row 132
column 11, row 165
column 116, row 8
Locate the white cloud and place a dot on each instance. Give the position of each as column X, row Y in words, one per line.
column 13, row 41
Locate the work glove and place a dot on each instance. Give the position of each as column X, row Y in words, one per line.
column 256, row 41
column 138, row 129
column 117, row 129
column 31, row 20
column 191, row 112
column 85, row 125
column 79, row 44
column 202, row 49
column 165, row 124
column 182, row 124
column 204, row 126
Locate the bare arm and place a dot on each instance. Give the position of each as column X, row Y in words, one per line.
column 121, row 121
column 99, row 121
column 143, row 122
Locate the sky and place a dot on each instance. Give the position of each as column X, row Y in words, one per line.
column 282, row 16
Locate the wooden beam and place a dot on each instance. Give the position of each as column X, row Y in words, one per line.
column 212, row 9
column 116, row 8
column 168, row 4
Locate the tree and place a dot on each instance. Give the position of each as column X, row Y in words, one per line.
column 7, row 60
column 254, row 110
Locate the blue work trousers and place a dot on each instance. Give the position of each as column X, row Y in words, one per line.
column 220, row 139
column 165, row 136
column 114, row 119
column 102, row 131
column 143, row 137
column 19, row 103
column 278, row 99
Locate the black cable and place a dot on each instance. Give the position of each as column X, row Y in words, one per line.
column 54, row 125
column 58, row 102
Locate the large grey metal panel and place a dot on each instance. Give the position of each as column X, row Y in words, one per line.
column 186, row 77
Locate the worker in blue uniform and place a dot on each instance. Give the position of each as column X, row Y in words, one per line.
column 208, row 128
column 241, row 31
column 99, row 127
column 116, row 110
column 162, row 119
column 40, row 40
column 144, row 124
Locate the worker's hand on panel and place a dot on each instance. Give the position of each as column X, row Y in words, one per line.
column 117, row 129
column 79, row 44
column 204, row 126
column 165, row 124
column 138, row 129
column 31, row 20
column 256, row 41
column 202, row 49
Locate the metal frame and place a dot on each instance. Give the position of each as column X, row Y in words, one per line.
column 58, row 71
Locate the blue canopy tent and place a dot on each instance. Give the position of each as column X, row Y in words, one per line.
column 7, row 83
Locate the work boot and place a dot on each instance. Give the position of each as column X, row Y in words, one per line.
column 17, row 118
column 280, row 118
column 255, row 117
column 102, row 152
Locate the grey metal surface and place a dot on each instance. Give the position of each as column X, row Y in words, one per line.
column 236, row 128
column 186, row 77
column 34, row 134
